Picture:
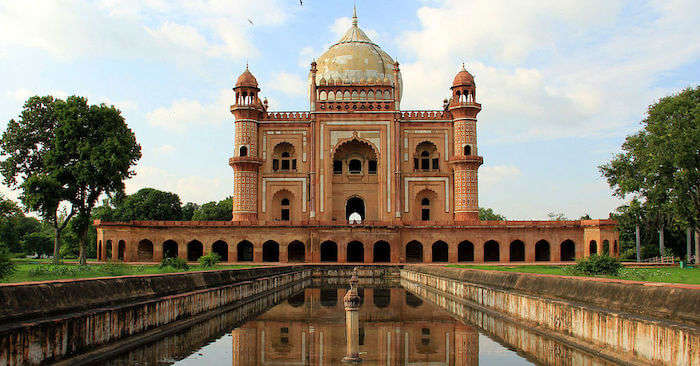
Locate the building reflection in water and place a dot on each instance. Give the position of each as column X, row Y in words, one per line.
column 396, row 328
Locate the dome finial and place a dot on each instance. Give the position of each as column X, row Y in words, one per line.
column 354, row 15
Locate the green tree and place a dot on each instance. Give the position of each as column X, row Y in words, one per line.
column 27, row 146
column 487, row 214
column 39, row 243
column 188, row 211
column 660, row 164
column 97, row 150
column 215, row 211
column 149, row 204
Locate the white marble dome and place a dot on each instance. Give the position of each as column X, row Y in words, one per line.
column 355, row 59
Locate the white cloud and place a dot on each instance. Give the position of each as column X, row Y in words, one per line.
column 164, row 150
column 551, row 69
column 185, row 113
column 291, row 84
column 189, row 188
column 152, row 29
column 489, row 175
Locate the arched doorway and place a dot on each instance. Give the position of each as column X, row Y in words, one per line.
column 329, row 251
column 381, row 297
column 414, row 252
column 244, row 251
column 606, row 248
column 517, row 251
column 382, row 252
column 169, row 249
column 195, row 249
column 492, row 251
column 121, row 248
column 440, row 251
column 99, row 250
column 296, row 300
column 221, row 249
column 542, row 251
column 296, row 251
column 108, row 249
column 465, row 251
column 271, row 251
column 145, row 251
column 413, row 300
column 355, row 205
column 329, row 297
column 568, row 251
column 593, row 247
column 355, row 252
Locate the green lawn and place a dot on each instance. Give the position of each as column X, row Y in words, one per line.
column 666, row 274
column 42, row 270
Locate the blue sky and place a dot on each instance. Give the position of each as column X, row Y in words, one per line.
column 561, row 82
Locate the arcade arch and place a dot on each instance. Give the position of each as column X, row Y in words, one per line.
column 517, row 251
column 195, row 249
column 296, row 251
column 465, row 251
column 329, row 251
column 145, row 251
column 381, row 252
column 170, row 249
column 271, row 251
column 244, row 251
column 414, row 252
column 440, row 251
column 491, row 251
column 220, row 247
column 355, row 252
column 542, row 251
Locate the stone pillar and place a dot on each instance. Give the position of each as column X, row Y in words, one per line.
column 453, row 253
column 352, row 322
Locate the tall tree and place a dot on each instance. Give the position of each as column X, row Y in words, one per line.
column 660, row 165
column 26, row 145
column 97, row 150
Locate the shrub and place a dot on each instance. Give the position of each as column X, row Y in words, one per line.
column 7, row 268
column 209, row 260
column 114, row 268
column 177, row 263
column 598, row 265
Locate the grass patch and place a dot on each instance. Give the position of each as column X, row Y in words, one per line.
column 43, row 270
column 665, row 274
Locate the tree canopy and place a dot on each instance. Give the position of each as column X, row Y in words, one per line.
column 215, row 211
column 659, row 166
column 487, row 214
column 67, row 152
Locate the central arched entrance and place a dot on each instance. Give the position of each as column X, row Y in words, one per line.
column 354, row 207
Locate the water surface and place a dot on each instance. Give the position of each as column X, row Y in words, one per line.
column 396, row 328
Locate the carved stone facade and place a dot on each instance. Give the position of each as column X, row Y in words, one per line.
column 356, row 163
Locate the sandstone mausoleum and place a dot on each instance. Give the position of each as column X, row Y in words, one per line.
column 355, row 179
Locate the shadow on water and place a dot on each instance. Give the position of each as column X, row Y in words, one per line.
column 305, row 325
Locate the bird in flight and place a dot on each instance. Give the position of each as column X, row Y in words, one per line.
column 301, row 2
column 250, row 21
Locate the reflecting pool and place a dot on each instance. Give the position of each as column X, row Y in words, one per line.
column 396, row 327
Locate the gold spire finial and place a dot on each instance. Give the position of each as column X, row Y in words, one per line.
column 354, row 15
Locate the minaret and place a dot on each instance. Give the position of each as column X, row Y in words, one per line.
column 466, row 160
column 248, row 110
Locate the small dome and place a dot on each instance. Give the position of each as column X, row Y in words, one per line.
column 463, row 78
column 247, row 79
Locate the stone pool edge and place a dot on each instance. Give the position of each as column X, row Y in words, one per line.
column 662, row 327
